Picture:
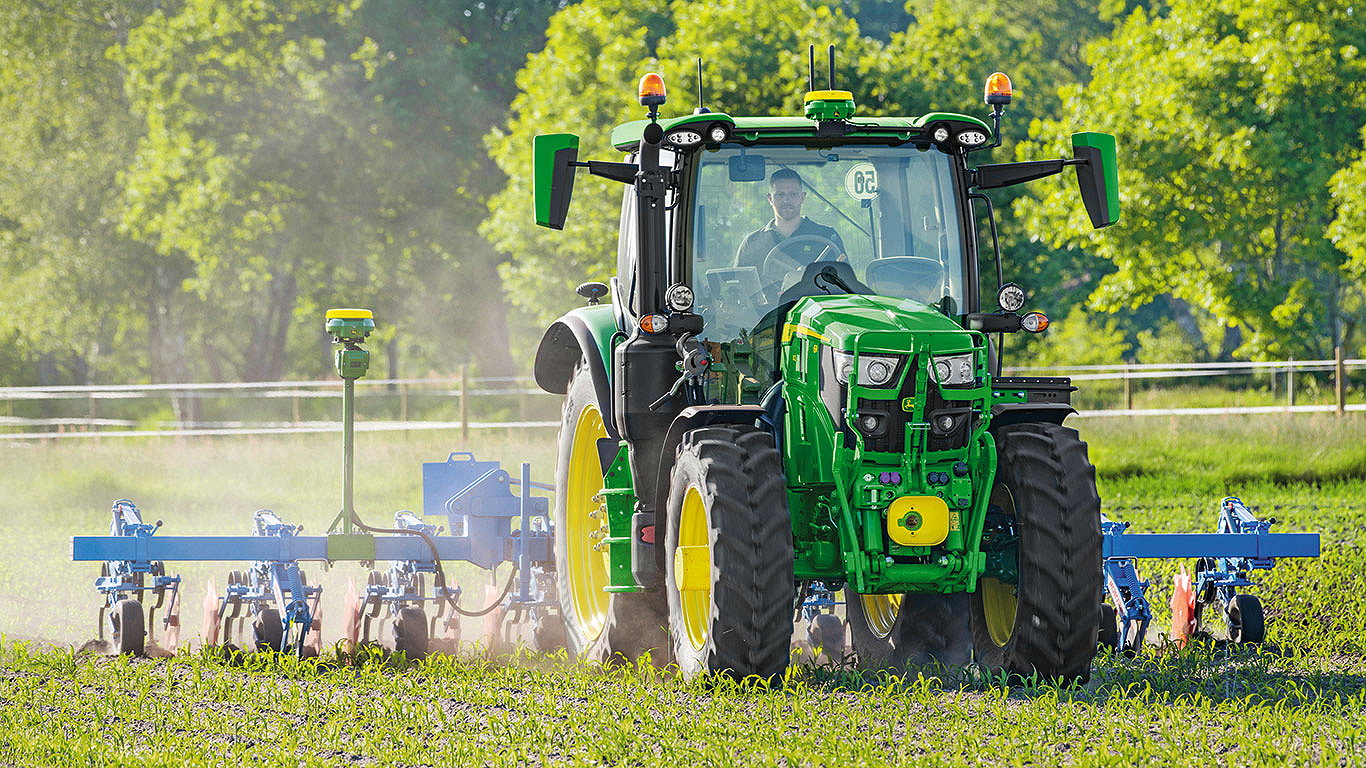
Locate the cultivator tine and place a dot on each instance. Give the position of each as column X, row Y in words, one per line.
column 313, row 644
column 1183, row 608
column 493, row 620
column 211, row 614
column 172, row 637
column 351, row 609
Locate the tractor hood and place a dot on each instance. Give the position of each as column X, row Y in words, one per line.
column 880, row 323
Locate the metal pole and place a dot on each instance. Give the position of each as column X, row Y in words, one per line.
column 348, row 454
column 1340, row 380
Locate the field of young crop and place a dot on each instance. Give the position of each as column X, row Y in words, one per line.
column 1301, row 699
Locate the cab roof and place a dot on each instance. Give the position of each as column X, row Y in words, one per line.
column 627, row 135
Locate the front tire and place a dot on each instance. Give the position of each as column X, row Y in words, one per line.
column 1045, row 492
column 729, row 555
column 598, row 625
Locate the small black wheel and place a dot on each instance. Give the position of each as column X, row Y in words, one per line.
column 267, row 631
column 825, row 634
column 128, row 633
column 1108, row 636
column 410, row 633
column 896, row 630
column 548, row 631
column 1246, row 624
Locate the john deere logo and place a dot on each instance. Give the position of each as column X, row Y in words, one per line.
column 908, row 404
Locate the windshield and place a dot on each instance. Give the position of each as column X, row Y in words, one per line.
column 883, row 217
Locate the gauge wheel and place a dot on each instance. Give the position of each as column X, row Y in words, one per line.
column 410, row 633
column 127, row 627
column 267, row 631
column 1246, row 624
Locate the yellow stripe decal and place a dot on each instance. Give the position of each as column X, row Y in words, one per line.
column 791, row 329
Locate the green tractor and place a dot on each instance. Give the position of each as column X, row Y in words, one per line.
column 793, row 391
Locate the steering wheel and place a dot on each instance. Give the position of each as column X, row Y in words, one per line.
column 778, row 264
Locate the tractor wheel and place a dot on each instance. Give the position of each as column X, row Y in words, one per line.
column 128, row 631
column 1246, row 624
column 729, row 555
column 599, row 625
column 410, row 633
column 267, row 631
column 896, row 630
column 1046, row 624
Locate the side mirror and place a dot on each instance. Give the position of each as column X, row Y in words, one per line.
column 1097, row 176
column 553, row 155
column 748, row 168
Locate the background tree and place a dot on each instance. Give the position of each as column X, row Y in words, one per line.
column 1232, row 120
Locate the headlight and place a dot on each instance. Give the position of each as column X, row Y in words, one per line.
column 972, row 138
column 718, row 133
column 873, row 370
column 685, row 138
column 954, row 370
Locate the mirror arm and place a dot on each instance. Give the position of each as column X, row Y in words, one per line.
column 622, row 172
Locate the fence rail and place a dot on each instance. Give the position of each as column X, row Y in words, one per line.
column 518, row 404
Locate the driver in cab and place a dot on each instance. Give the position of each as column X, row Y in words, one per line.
column 789, row 239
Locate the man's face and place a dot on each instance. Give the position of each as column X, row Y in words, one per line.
column 786, row 198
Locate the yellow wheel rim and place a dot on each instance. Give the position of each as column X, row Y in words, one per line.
column 999, row 598
column 998, row 607
column 588, row 559
column 694, row 531
column 880, row 611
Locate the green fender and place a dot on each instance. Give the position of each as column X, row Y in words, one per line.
column 582, row 334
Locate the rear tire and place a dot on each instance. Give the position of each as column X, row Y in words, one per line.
column 599, row 626
column 897, row 630
column 730, row 608
column 1046, row 624
column 128, row 631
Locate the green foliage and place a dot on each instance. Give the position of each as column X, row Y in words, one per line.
column 1231, row 120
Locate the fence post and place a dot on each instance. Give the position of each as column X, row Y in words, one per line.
column 1290, row 383
column 294, row 406
column 464, row 404
column 1340, row 380
column 402, row 402
column 1128, row 390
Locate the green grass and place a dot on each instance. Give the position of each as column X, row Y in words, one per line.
column 1301, row 700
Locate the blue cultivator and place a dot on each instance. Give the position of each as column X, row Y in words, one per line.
column 278, row 600
column 123, row 582
column 488, row 525
column 1242, row 544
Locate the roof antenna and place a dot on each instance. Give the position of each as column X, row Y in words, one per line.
column 831, row 52
column 811, row 68
column 701, row 110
